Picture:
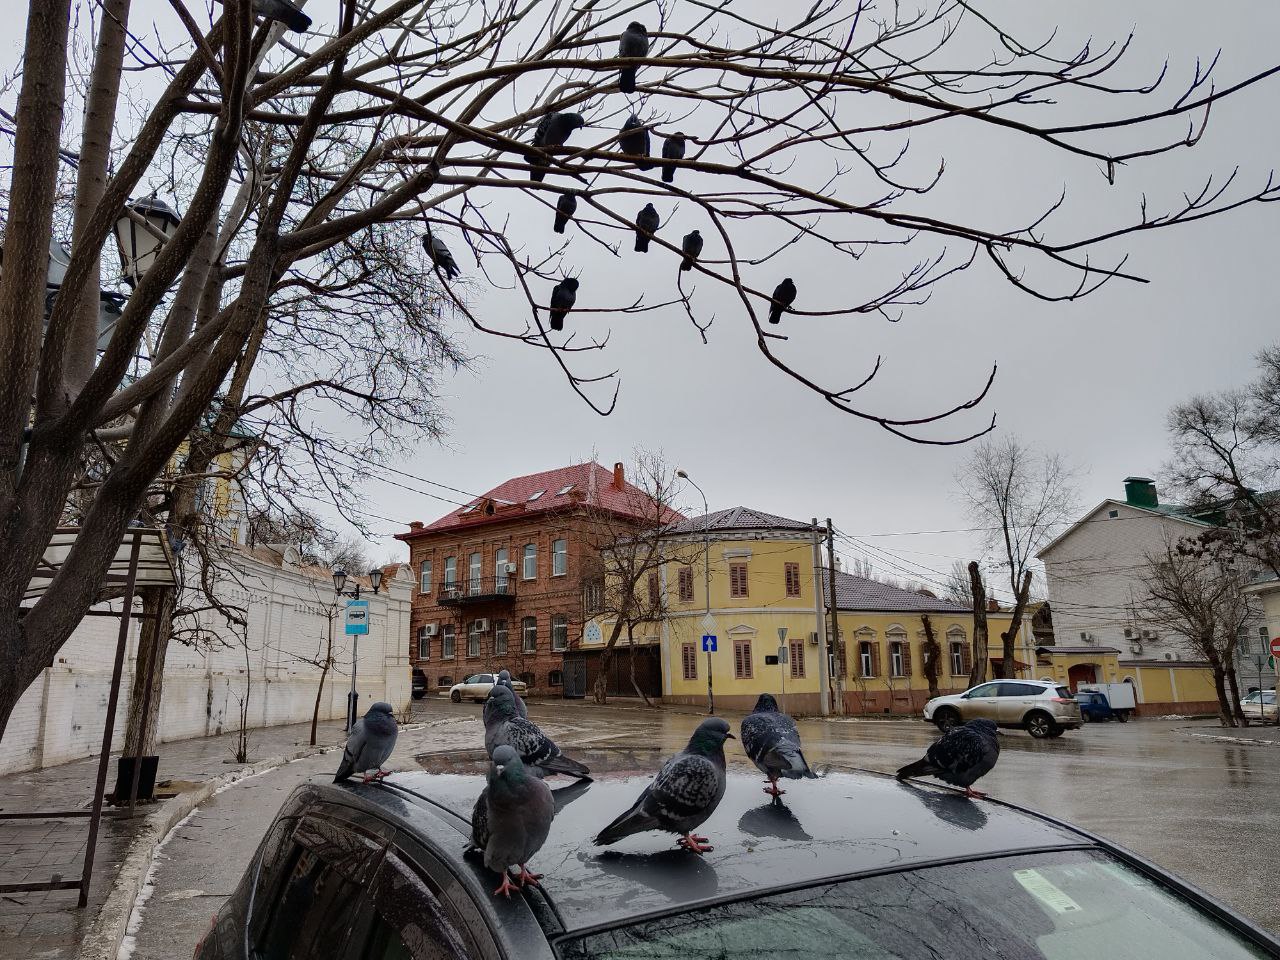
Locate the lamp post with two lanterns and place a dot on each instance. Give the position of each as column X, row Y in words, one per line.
column 339, row 584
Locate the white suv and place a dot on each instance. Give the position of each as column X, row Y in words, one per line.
column 1042, row 709
column 477, row 687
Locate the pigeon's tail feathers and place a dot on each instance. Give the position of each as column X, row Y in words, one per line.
column 557, row 319
column 537, row 173
column 686, row 263
column 563, row 764
column 635, row 820
column 346, row 768
column 644, row 163
column 668, row 173
column 790, row 763
column 561, row 222
column 642, row 243
column 627, row 80
column 921, row 768
column 297, row 21
column 775, row 313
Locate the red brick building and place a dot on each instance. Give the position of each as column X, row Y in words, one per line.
column 507, row 580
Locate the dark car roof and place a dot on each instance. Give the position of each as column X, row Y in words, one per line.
column 847, row 822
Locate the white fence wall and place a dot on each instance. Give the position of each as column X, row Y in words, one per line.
column 60, row 716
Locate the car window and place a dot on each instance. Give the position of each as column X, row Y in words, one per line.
column 985, row 690
column 1020, row 690
column 313, row 914
column 411, row 922
column 484, row 678
column 1064, row 692
column 474, row 678
column 1064, row 905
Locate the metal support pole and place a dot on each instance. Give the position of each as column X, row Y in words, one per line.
column 824, row 698
column 353, row 696
column 117, row 669
column 837, row 688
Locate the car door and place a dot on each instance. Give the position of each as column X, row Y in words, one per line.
column 982, row 702
column 1014, row 700
column 480, row 685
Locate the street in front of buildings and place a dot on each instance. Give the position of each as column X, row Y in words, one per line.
column 1169, row 790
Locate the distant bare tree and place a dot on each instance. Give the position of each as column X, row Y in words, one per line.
column 958, row 588
column 978, row 591
column 931, row 655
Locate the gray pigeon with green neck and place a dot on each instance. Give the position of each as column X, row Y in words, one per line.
column 511, row 819
column 503, row 726
column 504, row 680
column 370, row 743
column 683, row 795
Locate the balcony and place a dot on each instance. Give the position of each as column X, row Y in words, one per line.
column 475, row 590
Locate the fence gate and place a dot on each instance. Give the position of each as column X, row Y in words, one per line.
column 575, row 677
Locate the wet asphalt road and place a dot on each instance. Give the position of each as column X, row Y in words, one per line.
column 1203, row 809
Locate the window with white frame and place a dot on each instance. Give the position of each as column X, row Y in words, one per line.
column 957, row 658
column 559, row 632
column 473, row 639
column 529, row 634
column 529, row 571
column 473, row 572
column 559, row 558
column 424, row 644
column 500, row 561
column 425, row 584
column 447, row 642
column 895, row 658
column 450, row 571
column 866, row 659
column 500, row 637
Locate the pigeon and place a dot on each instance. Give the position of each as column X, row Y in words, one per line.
column 503, row 726
column 566, row 207
column 511, row 819
column 961, row 756
column 773, row 744
column 691, row 246
column 563, row 296
column 553, row 130
column 683, row 795
column 634, row 141
column 634, row 42
column 783, row 296
column 369, row 744
column 647, row 223
column 440, row 255
column 672, row 149
column 283, row 11
column 504, row 680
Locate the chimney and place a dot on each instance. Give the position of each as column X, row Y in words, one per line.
column 618, row 480
column 1141, row 492
column 993, row 605
column 415, row 525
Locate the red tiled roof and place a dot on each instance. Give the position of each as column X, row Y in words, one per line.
column 588, row 484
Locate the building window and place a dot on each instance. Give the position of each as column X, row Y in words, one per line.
column 689, row 661
column 896, row 668
column 450, row 571
column 425, row 586
column 655, row 594
column 797, row 659
column 737, row 579
column 559, row 558
column 424, row 644
column 445, row 681
column 529, row 634
column 868, row 655
column 527, row 679
column 555, row 678
column 473, row 573
column 447, row 642
column 559, row 632
column 593, row 597
column 686, row 584
column 958, row 658
column 500, row 571
column 742, row 659
column 793, row 579
column 473, row 639
column 530, row 569
column 500, row 637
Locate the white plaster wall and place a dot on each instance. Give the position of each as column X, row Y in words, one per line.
column 60, row 716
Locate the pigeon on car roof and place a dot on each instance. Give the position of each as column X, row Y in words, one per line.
column 503, row 726
column 961, row 757
column 511, row 819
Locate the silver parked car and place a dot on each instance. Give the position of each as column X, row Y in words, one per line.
column 1041, row 708
column 1259, row 705
column 477, row 686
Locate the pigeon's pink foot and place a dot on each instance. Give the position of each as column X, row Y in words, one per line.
column 975, row 794
column 695, row 843
column 772, row 789
column 507, row 887
column 365, row 778
column 528, row 879
column 381, row 774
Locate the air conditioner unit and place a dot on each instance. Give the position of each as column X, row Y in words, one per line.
column 510, row 566
column 1086, row 637
column 813, row 638
column 1148, row 634
column 430, row 629
column 482, row 625
column 1127, row 633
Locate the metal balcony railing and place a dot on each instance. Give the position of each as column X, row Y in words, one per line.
column 477, row 590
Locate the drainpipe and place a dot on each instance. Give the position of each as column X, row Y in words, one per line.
column 820, row 618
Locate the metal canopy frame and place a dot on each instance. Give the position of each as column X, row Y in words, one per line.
column 143, row 558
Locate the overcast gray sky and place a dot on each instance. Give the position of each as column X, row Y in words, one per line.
column 1091, row 380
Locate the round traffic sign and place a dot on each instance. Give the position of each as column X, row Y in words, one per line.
column 1275, row 646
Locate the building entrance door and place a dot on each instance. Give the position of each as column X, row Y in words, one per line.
column 575, row 677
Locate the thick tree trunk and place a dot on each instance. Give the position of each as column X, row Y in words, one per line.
column 1226, row 716
column 978, row 669
column 1233, row 687
column 1010, row 637
column 157, row 626
column 932, row 655
column 600, row 689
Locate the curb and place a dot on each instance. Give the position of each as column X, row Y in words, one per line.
column 109, row 927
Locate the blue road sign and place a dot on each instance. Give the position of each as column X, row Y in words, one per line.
column 357, row 617
column 708, row 643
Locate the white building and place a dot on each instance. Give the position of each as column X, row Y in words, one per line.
column 1095, row 574
column 288, row 607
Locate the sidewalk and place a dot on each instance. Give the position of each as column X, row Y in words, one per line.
column 1255, row 733
column 48, row 924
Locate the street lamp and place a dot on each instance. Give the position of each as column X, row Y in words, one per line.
column 141, row 231
column 706, row 565
column 339, row 583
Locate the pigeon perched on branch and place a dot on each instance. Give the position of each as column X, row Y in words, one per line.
column 566, row 207
column 634, row 142
column 683, row 795
column 647, row 223
column 369, row 744
column 634, row 42
column 511, row 819
column 691, row 247
column 772, row 742
column 283, row 11
column 440, row 255
column 563, row 296
column 503, row 726
column 672, row 149
column 960, row 757
column 553, row 130
column 784, row 295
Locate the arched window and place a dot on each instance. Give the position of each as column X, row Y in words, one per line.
column 445, row 681
column 555, row 678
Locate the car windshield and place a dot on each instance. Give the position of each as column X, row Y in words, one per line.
column 1048, row 906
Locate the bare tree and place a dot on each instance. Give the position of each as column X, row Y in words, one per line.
column 958, row 588
column 978, row 590
column 288, row 155
column 931, row 655
column 1199, row 599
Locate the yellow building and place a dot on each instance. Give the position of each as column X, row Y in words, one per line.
column 766, row 592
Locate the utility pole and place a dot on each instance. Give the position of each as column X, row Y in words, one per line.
column 837, row 693
column 820, row 615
